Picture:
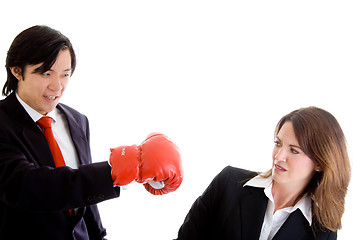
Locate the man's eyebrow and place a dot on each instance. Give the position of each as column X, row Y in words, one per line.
column 66, row 70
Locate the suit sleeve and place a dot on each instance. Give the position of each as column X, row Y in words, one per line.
column 327, row 235
column 92, row 216
column 28, row 187
column 201, row 218
column 333, row 236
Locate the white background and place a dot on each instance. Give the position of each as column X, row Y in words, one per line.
column 215, row 76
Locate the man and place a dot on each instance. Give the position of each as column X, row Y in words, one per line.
column 49, row 186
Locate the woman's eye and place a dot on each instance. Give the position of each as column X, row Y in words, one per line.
column 294, row 151
column 46, row 74
column 277, row 143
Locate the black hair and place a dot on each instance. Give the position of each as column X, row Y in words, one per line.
column 35, row 45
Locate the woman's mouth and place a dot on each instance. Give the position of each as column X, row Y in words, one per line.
column 280, row 168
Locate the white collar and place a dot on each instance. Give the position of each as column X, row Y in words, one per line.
column 33, row 113
column 304, row 204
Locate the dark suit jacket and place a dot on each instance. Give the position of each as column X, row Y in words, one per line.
column 229, row 211
column 34, row 195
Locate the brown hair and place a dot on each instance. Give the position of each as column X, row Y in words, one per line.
column 322, row 139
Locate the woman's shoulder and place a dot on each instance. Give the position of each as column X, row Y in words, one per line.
column 237, row 174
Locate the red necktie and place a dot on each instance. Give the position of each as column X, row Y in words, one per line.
column 45, row 124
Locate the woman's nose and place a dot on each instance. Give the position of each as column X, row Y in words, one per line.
column 281, row 155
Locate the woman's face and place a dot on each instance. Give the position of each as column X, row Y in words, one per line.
column 291, row 166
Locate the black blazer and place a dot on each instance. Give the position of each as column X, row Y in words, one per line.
column 34, row 195
column 229, row 211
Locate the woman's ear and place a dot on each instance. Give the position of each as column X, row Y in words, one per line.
column 16, row 71
column 318, row 168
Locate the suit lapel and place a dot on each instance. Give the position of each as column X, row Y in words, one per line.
column 253, row 208
column 35, row 139
column 40, row 147
column 27, row 129
column 77, row 135
column 296, row 227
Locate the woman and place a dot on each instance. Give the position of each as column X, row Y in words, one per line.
column 301, row 197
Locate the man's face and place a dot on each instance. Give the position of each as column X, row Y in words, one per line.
column 42, row 91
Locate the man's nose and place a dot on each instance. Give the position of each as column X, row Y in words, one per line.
column 55, row 84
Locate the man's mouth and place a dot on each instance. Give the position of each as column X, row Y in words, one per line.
column 51, row 97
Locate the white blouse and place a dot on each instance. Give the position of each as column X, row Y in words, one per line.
column 273, row 222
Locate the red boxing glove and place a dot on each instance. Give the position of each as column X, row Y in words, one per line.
column 161, row 162
column 156, row 163
column 125, row 162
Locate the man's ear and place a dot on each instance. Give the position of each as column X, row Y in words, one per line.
column 16, row 71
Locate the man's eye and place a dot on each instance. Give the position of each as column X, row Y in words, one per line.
column 46, row 74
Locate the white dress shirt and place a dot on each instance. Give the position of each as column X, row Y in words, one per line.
column 61, row 133
column 273, row 222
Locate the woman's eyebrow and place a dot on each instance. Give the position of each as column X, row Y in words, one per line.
column 291, row 145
